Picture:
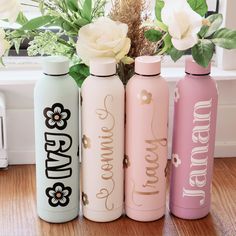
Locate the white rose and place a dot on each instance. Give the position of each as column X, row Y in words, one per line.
column 183, row 23
column 4, row 45
column 103, row 38
column 9, row 9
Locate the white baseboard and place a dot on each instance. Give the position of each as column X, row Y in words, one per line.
column 225, row 149
column 20, row 157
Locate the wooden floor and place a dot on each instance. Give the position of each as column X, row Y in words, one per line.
column 18, row 210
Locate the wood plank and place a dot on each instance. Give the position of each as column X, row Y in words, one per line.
column 18, row 210
column 222, row 218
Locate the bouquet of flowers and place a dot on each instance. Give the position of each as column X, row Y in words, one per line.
column 82, row 30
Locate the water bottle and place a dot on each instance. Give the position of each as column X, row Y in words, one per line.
column 56, row 139
column 195, row 111
column 102, row 142
column 147, row 99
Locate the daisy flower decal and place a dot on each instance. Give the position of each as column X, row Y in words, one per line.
column 166, row 170
column 176, row 160
column 56, row 116
column 58, row 195
column 86, row 141
column 126, row 161
column 177, row 96
column 85, row 199
column 145, row 97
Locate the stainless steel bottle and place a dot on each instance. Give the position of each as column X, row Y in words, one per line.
column 56, row 137
column 195, row 112
column 147, row 99
column 103, row 142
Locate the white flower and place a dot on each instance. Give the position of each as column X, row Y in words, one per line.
column 177, row 96
column 103, row 38
column 4, row 45
column 183, row 23
column 9, row 9
column 176, row 160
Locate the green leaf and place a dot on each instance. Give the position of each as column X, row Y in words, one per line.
column 153, row 35
column 87, row 9
column 37, row 22
column 73, row 5
column 167, row 44
column 158, row 8
column 41, row 7
column 199, row 6
column 17, row 43
column 1, row 62
column 17, row 33
column 203, row 52
column 21, row 19
column 161, row 25
column 175, row 54
column 67, row 26
column 79, row 73
column 225, row 38
column 215, row 21
column 127, row 60
column 81, row 22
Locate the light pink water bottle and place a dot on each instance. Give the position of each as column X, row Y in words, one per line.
column 147, row 99
column 195, row 114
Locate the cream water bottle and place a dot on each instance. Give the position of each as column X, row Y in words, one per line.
column 195, row 111
column 56, row 139
column 102, row 142
column 147, row 99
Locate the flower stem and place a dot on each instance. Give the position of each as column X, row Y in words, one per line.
column 29, row 5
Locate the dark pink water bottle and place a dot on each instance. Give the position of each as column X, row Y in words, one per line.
column 195, row 111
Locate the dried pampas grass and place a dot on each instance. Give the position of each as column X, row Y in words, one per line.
column 134, row 13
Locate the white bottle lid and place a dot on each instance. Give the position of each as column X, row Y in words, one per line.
column 148, row 65
column 104, row 66
column 56, row 65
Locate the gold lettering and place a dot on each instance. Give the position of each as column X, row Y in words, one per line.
column 106, row 148
column 151, row 168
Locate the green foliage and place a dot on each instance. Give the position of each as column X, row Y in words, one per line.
column 17, row 42
column 81, row 22
column 225, row 38
column 21, row 19
column 48, row 43
column 175, row 54
column 153, row 35
column 87, row 10
column 98, row 8
column 167, row 44
column 215, row 21
column 79, row 73
column 203, row 52
column 68, row 15
column 158, row 8
column 162, row 26
column 1, row 62
column 72, row 5
column 199, row 6
column 37, row 22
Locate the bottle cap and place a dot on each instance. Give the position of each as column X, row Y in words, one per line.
column 56, row 65
column 148, row 65
column 192, row 68
column 104, row 66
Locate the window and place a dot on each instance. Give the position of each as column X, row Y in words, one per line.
column 31, row 10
